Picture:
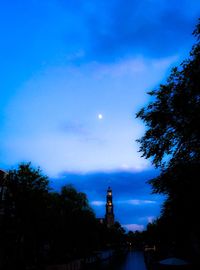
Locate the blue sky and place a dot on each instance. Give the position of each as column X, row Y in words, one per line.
column 65, row 62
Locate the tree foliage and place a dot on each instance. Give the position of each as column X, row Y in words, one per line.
column 27, row 191
column 40, row 226
column 172, row 117
column 172, row 142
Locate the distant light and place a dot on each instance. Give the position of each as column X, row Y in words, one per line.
column 100, row 116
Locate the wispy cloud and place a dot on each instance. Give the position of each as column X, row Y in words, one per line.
column 135, row 202
column 133, row 227
column 61, row 108
column 147, row 219
column 98, row 203
column 135, row 66
column 139, row 202
column 132, row 198
column 75, row 128
column 81, row 131
column 63, row 78
column 130, row 202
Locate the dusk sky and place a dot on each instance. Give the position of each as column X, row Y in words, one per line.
column 73, row 75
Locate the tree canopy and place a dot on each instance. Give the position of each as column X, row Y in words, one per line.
column 172, row 117
column 40, row 226
column 172, row 142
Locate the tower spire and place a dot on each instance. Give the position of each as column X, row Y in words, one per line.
column 109, row 217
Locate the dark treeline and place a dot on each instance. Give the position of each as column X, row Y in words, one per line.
column 172, row 142
column 39, row 226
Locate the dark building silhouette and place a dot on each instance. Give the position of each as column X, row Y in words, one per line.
column 3, row 188
column 109, row 217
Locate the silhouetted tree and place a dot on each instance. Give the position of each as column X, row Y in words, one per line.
column 75, row 225
column 40, row 226
column 25, row 206
column 172, row 118
column 172, row 142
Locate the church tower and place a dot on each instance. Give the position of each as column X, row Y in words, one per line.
column 109, row 209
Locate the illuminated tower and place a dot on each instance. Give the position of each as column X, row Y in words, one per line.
column 109, row 209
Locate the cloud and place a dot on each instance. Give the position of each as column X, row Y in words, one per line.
column 131, row 202
column 134, row 66
column 132, row 198
column 125, row 184
column 52, row 119
column 140, row 202
column 150, row 219
column 75, row 128
column 135, row 202
column 97, row 203
column 80, row 131
column 139, row 227
column 158, row 28
column 133, row 227
column 63, row 76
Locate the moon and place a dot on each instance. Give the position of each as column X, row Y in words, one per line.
column 100, row 116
